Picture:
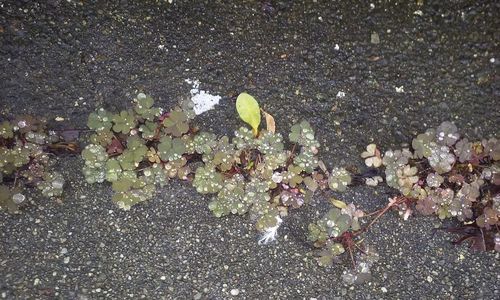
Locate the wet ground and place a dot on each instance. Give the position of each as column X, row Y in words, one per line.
column 360, row 72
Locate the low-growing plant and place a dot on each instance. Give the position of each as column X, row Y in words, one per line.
column 450, row 177
column 140, row 149
column 26, row 159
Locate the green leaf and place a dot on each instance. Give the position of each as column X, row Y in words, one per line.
column 249, row 111
column 338, row 203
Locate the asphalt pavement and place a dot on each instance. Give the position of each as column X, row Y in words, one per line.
column 358, row 71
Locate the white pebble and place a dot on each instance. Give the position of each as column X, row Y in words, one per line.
column 235, row 292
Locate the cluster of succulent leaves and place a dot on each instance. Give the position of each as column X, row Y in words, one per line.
column 450, row 177
column 142, row 148
column 327, row 231
column 253, row 174
column 25, row 161
column 137, row 150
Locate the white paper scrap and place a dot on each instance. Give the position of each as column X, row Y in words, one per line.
column 203, row 101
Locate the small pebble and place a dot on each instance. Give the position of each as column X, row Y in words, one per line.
column 375, row 39
column 235, row 292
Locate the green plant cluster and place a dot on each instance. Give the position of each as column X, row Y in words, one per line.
column 339, row 179
column 246, row 172
column 25, row 161
column 303, row 135
column 142, row 148
column 450, row 177
column 137, row 150
column 326, row 234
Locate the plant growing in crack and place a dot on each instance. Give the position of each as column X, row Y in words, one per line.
column 27, row 152
column 139, row 150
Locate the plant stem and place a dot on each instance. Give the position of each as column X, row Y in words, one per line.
column 380, row 213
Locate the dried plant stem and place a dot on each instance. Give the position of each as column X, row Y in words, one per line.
column 379, row 213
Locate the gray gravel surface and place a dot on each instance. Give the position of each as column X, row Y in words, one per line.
column 433, row 62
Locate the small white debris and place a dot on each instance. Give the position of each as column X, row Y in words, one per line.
column 59, row 119
column 320, row 19
column 66, row 260
column 36, row 282
column 161, row 47
column 202, row 100
column 375, row 39
column 163, row 277
column 400, row 89
column 418, row 13
column 234, row 292
column 429, row 278
column 340, row 94
column 492, row 60
column 337, row 47
column 270, row 234
column 383, row 289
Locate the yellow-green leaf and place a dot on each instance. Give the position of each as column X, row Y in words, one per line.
column 249, row 111
column 338, row 203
